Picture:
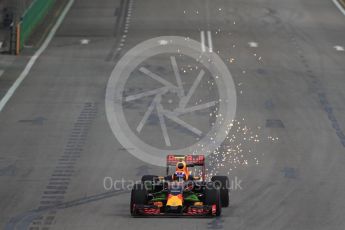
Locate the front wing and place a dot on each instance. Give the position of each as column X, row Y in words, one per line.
column 191, row 211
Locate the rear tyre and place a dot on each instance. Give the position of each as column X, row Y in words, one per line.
column 212, row 197
column 138, row 197
column 222, row 182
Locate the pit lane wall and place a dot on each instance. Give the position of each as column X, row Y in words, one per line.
column 30, row 19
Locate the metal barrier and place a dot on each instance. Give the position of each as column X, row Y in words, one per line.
column 30, row 19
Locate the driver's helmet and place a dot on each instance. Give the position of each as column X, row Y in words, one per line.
column 180, row 176
column 181, row 166
column 181, row 171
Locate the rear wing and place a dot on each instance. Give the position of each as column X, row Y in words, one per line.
column 195, row 160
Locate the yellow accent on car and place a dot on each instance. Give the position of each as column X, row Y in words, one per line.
column 158, row 204
column 174, row 201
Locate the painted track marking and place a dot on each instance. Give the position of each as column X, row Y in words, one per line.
column 209, row 40
column 34, row 58
column 342, row 10
column 253, row 44
column 210, row 45
column 339, row 48
column 202, row 35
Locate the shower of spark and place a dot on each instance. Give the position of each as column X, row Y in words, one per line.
column 235, row 151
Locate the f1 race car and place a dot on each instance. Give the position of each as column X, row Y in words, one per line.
column 180, row 193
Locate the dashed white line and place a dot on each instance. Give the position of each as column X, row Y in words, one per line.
column 210, row 45
column 84, row 41
column 339, row 48
column 209, row 40
column 127, row 22
column 203, row 48
column 126, row 27
column 253, row 44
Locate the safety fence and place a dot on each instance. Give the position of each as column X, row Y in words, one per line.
column 30, row 19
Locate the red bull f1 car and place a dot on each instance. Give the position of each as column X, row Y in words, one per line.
column 180, row 193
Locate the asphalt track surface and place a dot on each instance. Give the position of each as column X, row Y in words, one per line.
column 290, row 86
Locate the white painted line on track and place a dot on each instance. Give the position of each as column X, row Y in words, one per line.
column 253, row 44
column 210, row 45
column 84, row 41
column 163, row 42
column 342, row 10
column 34, row 58
column 202, row 34
column 339, row 48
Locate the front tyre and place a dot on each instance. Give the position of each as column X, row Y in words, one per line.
column 138, row 197
column 222, row 182
column 212, row 197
